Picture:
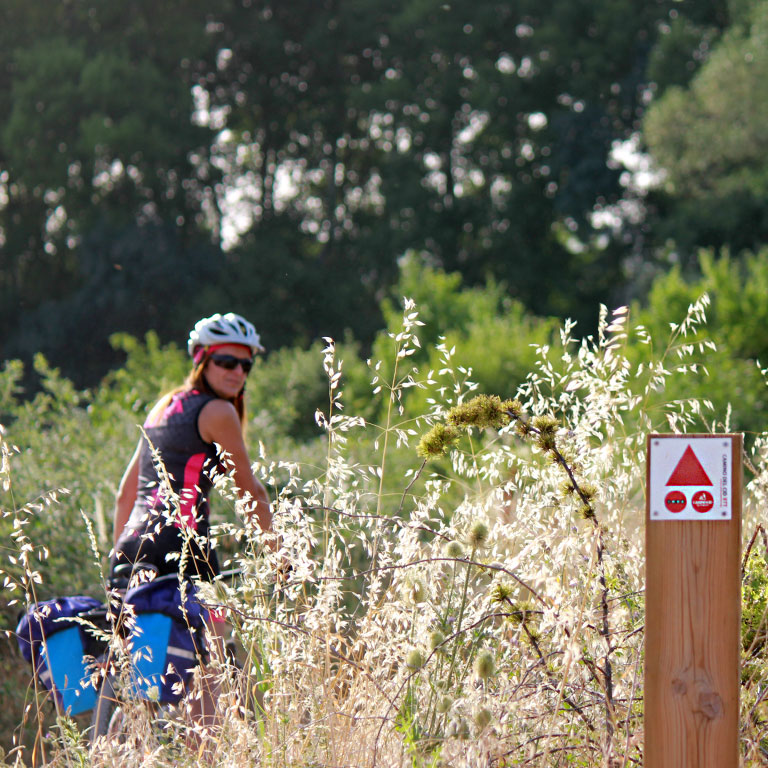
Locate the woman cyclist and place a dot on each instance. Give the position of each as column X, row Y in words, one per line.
column 190, row 429
column 193, row 432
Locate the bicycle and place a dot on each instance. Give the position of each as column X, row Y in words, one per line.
column 147, row 678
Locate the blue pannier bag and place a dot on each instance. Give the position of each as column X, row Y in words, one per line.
column 166, row 637
column 51, row 638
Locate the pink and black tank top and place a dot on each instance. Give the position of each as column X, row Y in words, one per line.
column 189, row 463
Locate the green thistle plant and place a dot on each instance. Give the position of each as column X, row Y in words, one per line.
column 482, row 412
column 462, row 730
column 437, row 441
column 521, row 613
column 436, row 639
column 501, row 592
column 482, row 718
column 478, row 534
column 523, row 428
column 415, row 659
column 454, row 549
column 485, row 665
column 414, row 591
column 545, row 429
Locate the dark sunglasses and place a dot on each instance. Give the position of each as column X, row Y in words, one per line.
column 230, row 362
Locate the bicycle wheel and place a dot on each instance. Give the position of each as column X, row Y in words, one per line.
column 126, row 722
column 108, row 716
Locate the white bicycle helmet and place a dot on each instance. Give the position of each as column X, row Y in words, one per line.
column 224, row 329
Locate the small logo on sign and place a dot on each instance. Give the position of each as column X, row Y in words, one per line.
column 674, row 501
column 702, row 501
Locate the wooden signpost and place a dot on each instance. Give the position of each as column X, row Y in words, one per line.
column 693, row 601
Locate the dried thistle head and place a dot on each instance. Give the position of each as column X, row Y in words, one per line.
column 482, row 411
column 482, row 718
column 414, row 591
column 477, row 536
column 437, row 441
column 501, row 592
column 436, row 639
column 454, row 549
column 485, row 665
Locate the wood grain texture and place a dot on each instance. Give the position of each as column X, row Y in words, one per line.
column 692, row 636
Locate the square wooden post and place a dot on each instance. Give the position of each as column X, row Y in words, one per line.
column 693, row 602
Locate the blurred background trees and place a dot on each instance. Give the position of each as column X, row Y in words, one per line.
column 160, row 161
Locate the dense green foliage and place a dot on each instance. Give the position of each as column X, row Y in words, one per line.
column 349, row 473
column 706, row 136
column 435, row 185
column 176, row 159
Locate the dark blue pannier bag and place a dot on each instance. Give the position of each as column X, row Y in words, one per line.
column 55, row 644
column 166, row 637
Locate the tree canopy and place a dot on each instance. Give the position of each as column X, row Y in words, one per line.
column 167, row 159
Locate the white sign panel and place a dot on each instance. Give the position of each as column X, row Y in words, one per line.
column 691, row 478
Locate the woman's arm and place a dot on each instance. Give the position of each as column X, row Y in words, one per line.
column 219, row 423
column 126, row 494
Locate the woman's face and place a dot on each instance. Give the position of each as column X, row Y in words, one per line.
column 224, row 382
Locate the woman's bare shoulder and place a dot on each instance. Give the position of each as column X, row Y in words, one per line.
column 217, row 418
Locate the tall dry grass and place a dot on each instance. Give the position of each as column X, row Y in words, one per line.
column 482, row 606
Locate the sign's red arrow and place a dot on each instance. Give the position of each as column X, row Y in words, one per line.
column 689, row 471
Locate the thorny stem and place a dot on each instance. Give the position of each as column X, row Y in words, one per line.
column 535, row 644
column 460, row 618
column 605, row 628
column 758, row 531
column 462, row 560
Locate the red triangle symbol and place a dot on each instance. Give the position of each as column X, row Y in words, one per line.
column 689, row 471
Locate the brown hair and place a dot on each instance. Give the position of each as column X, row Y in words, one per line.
column 196, row 380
